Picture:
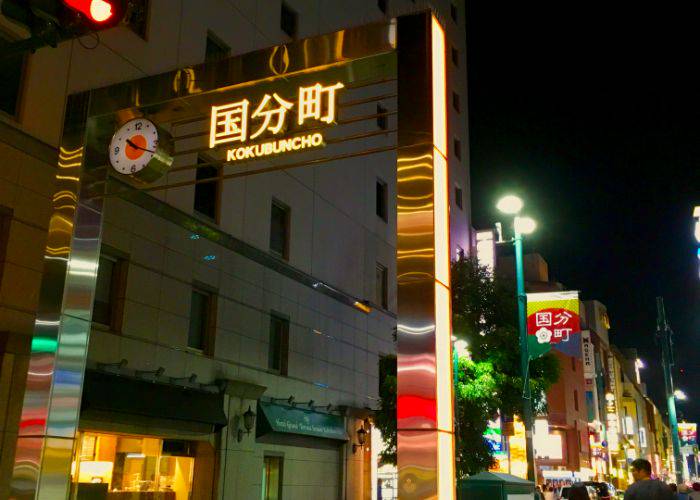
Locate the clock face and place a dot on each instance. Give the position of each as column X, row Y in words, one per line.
column 133, row 146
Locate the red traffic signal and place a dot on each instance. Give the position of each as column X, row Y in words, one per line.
column 99, row 12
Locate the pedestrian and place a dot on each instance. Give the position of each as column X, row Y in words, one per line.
column 578, row 491
column 538, row 493
column 645, row 488
column 695, row 491
column 549, row 492
column 683, row 492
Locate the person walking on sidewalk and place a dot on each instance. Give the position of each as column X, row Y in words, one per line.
column 644, row 487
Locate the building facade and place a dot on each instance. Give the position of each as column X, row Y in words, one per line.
column 236, row 322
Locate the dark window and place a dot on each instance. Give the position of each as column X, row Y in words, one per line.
column 381, row 286
column 382, row 118
column 136, row 17
column 455, row 56
column 11, row 81
column 206, row 194
column 458, row 197
column 5, row 221
column 279, row 344
column 575, row 400
column 272, row 478
column 453, row 12
column 289, row 20
column 457, row 145
column 216, row 49
column 279, row 230
column 110, row 288
column 381, row 199
column 202, row 314
column 382, row 5
column 573, row 364
column 455, row 101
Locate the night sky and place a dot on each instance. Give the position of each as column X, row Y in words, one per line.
column 593, row 117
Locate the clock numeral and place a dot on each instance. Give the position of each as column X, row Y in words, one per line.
column 138, row 125
column 133, row 169
column 155, row 142
column 116, row 149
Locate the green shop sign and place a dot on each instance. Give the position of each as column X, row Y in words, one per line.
column 289, row 420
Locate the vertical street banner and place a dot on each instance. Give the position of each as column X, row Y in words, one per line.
column 688, row 433
column 553, row 322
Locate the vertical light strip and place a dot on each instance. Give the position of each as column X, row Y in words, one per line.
column 443, row 326
column 443, row 358
column 442, row 219
column 439, row 90
column 446, row 473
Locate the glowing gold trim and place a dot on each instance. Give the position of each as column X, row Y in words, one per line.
column 439, row 90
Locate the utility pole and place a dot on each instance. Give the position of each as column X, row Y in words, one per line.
column 663, row 333
column 524, row 356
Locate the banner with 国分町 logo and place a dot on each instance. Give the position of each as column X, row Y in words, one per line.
column 553, row 321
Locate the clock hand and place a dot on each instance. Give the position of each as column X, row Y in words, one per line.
column 128, row 141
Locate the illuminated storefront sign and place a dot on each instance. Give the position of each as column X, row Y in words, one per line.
column 235, row 123
column 612, row 420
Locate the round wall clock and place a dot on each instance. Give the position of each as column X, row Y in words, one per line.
column 138, row 150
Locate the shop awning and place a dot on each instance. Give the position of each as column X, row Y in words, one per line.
column 286, row 420
column 109, row 396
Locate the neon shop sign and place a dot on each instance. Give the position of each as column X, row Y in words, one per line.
column 238, row 123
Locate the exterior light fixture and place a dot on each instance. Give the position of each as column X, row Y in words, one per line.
column 248, row 422
column 361, row 438
column 525, row 225
column 640, row 364
column 680, row 395
column 510, row 204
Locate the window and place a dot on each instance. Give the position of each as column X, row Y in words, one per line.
column 206, row 194
column 573, row 364
column 279, row 230
column 137, row 467
column 455, row 102
column 289, row 20
column 136, row 17
column 200, row 335
column 381, row 286
column 5, row 221
column 459, row 198
column 382, row 5
column 453, row 12
column 575, row 400
column 110, row 290
column 279, row 344
column 11, row 81
column 272, row 478
column 216, row 49
column 381, row 200
column 455, row 56
column 457, row 146
column 382, row 118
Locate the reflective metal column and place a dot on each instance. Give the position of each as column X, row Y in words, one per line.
column 424, row 412
column 59, row 345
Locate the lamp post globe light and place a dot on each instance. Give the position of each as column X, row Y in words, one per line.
column 680, row 395
column 512, row 205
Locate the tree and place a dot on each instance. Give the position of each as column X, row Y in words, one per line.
column 484, row 314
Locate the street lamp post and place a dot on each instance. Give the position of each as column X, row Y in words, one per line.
column 664, row 335
column 522, row 225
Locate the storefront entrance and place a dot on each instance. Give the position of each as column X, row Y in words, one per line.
column 120, row 466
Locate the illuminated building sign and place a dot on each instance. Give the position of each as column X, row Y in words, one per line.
column 239, row 122
column 612, row 420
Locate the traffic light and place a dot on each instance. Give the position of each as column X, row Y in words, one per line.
column 51, row 21
column 98, row 14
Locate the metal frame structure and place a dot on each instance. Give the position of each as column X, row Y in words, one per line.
column 409, row 50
